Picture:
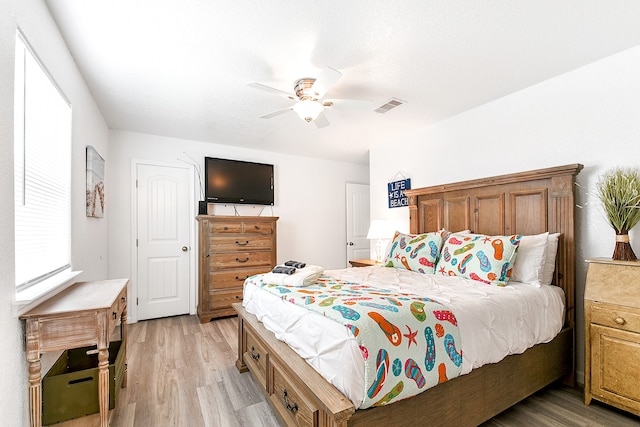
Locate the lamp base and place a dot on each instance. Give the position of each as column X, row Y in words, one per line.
column 379, row 249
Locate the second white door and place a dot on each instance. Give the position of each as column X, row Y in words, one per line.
column 357, row 221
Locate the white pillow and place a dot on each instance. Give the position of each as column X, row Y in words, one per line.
column 529, row 265
column 550, row 259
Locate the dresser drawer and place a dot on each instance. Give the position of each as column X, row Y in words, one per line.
column 240, row 260
column 226, row 279
column 618, row 317
column 230, row 243
column 239, row 227
column 258, row 227
column 256, row 357
column 114, row 314
column 224, row 299
column 218, row 227
column 294, row 407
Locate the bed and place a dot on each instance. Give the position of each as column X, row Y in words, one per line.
column 526, row 203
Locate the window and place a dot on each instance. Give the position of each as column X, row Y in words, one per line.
column 42, row 172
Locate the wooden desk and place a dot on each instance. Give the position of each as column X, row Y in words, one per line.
column 84, row 314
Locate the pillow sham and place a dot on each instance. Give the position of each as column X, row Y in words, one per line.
column 550, row 259
column 415, row 252
column 528, row 266
column 487, row 259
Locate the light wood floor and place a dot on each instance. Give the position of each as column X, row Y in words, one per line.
column 182, row 373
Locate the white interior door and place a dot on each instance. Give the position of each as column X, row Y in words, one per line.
column 357, row 222
column 163, row 240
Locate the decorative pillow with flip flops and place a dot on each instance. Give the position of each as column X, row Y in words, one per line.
column 487, row 259
column 415, row 252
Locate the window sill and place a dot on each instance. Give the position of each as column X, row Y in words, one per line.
column 29, row 298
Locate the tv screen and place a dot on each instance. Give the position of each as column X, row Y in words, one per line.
column 235, row 181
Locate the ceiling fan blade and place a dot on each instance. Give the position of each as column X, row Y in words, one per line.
column 276, row 113
column 321, row 121
column 266, row 88
column 327, row 78
column 350, row 104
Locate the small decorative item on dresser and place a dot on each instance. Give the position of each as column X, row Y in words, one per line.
column 619, row 191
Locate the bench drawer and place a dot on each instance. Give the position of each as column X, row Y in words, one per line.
column 256, row 358
column 289, row 400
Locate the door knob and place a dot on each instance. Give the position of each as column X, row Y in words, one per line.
column 185, row 249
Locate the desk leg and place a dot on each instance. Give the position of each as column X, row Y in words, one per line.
column 123, row 334
column 103, row 386
column 35, row 373
column 35, row 393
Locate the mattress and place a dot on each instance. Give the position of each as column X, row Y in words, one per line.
column 494, row 322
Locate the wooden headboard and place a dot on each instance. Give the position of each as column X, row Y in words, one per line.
column 525, row 203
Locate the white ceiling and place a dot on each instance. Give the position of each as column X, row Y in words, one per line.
column 180, row 68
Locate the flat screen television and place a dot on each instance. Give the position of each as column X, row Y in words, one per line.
column 236, row 181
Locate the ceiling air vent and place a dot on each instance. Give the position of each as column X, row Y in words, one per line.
column 390, row 105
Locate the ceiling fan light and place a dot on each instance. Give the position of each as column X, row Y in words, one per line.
column 308, row 109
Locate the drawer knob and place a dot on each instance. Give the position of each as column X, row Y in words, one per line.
column 620, row 321
column 115, row 315
column 123, row 299
column 242, row 260
column 245, row 243
column 254, row 356
column 290, row 408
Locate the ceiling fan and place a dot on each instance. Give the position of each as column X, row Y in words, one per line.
column 309, row 96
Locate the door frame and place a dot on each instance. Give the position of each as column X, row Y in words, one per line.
column 132, row 309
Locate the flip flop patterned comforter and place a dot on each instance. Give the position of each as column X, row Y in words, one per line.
column 408, row 342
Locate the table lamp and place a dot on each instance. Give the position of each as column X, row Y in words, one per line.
column 379, row 231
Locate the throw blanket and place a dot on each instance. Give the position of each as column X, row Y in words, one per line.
column 302, row 277
column 409, row 343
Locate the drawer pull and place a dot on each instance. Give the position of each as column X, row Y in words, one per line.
column 245, row 243
column 620, row 321
column 257, row 227
column 254, row 356
column 242, row 279
column 287, row 404
column 115, row 315
column 242, row 260
column 123, row 299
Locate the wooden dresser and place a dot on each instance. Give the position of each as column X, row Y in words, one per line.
column 230, row 249
column 612, row 334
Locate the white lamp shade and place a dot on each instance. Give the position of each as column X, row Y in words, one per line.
column 379, row 229
column 308, row 109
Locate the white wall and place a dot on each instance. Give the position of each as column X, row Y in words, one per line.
column 89, row 236
column 309, row 197
column 589, row 116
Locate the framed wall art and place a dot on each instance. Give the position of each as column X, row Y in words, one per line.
column 95, row 183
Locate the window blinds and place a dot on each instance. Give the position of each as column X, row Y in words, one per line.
column 42, row 168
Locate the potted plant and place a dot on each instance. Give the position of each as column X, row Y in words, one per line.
column 619, row 191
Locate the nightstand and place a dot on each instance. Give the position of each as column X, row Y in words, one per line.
column 612, row 333
column 364, row 262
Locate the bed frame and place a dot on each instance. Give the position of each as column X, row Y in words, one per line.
column 522, row 203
